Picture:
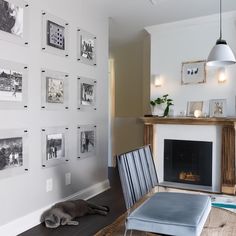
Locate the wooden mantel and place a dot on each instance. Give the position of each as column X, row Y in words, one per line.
column 228, row 124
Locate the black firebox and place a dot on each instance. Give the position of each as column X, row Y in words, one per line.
column 188, row 162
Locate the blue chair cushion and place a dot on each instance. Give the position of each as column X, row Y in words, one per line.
column 169, row 213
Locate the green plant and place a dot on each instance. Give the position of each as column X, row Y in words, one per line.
column 163, row 100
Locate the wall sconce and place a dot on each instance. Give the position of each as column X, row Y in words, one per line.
column 221, row 75
column 157, row 80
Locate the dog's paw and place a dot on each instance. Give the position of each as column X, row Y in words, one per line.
column 73, row 222
column 107, row 208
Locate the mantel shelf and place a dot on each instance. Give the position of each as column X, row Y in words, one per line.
column 225, row 121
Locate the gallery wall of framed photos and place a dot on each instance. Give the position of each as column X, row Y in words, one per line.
column 43, row 103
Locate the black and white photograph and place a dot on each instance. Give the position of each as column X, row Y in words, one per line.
column 10, row 85
column 13, row 85
column 11, row 18
column 193, row 72
column 86, row 141
column 55, row 146
column 11, row 152
column 54, row 90
column 55, row 35
column 86, row 47
column 87, row 94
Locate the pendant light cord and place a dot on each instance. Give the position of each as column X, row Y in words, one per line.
column 220, row 19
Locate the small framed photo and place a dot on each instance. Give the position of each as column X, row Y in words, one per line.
column 13, row 85
column 86, row 93
column 13, row 152
column 193, row 72
column 54, row 90
column 86, row 141
column 218, row 108
column 86, row 43
column 54, row 146
column 54, row 35
column 193, row 106
column 14, row 21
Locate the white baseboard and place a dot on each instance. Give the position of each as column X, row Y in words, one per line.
column 28, row 221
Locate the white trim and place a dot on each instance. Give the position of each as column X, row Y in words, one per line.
column 189, row 23
column 28, row 221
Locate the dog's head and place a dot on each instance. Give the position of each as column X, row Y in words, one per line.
column 51, row 220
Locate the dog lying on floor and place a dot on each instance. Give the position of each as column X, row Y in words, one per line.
column 64, row 213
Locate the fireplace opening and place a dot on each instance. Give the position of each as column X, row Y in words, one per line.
column 188, row 162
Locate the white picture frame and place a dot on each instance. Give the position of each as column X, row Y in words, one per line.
column 15, row 15
column 193, row 72
column 13, row 85
column 14, row 157
column 87, row 93
column 86, row 47
column 86, row 141
column 54, row 86
column 193, row 106
column 54, row 146
column 218, row 108
column 55, row 35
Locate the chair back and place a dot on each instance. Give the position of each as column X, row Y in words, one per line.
column 137, row 174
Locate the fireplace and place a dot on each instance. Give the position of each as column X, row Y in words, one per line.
column 188, row 162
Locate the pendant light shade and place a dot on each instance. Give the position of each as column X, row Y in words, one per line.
column 221, row 54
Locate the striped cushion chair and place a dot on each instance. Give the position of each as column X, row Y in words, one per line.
column 166, row 213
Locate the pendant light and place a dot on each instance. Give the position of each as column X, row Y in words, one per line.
column 221, row 54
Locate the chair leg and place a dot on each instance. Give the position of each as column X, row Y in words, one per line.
column 131, row 232
column 125, row 232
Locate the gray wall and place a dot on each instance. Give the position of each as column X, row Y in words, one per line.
column 23, row 194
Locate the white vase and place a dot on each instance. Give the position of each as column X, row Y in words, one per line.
column 158, row 110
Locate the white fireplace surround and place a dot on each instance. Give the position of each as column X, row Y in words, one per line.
column 210, row 133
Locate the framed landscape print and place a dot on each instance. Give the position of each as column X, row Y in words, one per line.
column 54, row 35
column 86, row 46
column 14, row 21
column 86, row 141
column 86, row 93
column 193, row 72
column 13, row 152
column 218, row 108
column 54, row 90
column 193, row 106
column 54, row 146
column 13, row 85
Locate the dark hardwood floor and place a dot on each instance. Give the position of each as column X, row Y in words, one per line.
column 89, row 225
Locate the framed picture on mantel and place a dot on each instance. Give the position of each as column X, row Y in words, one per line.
column 192, row 106
column 218, row 108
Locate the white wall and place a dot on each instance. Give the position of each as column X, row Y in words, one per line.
column 191, row 40
column 23, row 194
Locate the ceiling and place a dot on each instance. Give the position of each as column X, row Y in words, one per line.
column 129, row 17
